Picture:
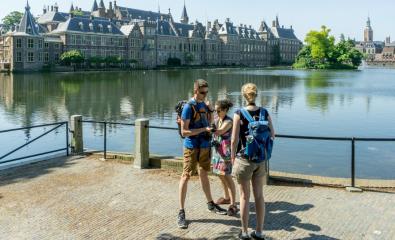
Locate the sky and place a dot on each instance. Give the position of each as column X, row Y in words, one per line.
column 341, row 16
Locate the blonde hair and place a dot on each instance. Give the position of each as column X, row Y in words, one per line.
column 250, row 92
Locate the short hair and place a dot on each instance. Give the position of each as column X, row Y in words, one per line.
column 200, row 83
column 249, row 91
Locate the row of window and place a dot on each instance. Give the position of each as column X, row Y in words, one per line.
column 31, row 43
column 31, row 57
column 96, row 40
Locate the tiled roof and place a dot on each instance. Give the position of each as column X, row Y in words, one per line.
column 87, row 25
column 183, row 29
column 164, row 28
column 227, row 28
column 287, row 33
column 52, row 16
column 131, row 13
column 28, row 24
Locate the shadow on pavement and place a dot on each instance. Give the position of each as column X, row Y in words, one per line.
column 317, row 237
column 279, row 217
column 34, row 170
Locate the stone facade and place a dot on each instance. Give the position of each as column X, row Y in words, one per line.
column 148, row 39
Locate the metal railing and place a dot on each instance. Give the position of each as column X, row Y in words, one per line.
column 352, row 140
column 56, row 126
column 105, row 124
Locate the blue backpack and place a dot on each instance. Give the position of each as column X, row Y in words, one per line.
column 259, row 144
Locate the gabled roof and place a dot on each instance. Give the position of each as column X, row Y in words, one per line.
column 87, row 25
column 164, row 28
column 127, row 29
column 28, row 24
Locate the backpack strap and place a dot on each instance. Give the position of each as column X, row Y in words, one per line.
column 194, row 112
column 246, row 115
column 262, row 114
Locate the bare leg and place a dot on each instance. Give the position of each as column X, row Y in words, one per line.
column 231, row 188
column 183, row 186
column 244, row 204
column 257, row 188
column 225, row 186
column 205, row 184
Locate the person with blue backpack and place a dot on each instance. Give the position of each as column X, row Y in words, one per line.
column 251, row 146
column 195, row 126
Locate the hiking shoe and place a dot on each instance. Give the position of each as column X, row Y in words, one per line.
column 181, row 222
column 254, row 236
column 244, row 236
column 215, row 208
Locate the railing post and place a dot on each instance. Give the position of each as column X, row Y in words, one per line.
column 105, row 140
column 353, row 162
column 67, row 139
column 141, row 150
column 77, row 144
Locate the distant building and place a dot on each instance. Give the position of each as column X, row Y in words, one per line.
column 369, row 46
column 145, row 38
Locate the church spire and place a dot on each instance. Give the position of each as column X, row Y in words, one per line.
column 277, row 22
column 184, row 15
column 95, row 6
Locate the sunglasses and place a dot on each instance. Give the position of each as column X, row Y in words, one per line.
column 204, row 93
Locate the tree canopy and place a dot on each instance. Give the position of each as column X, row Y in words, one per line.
column 322, row 52
column 12, row 19
column 72, row 57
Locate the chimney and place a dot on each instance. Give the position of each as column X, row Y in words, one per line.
column 282, row 26
column 250, row 26
column 56, row 7
column 110, row 6
column 51, row 8
column 208, row 25
column 227, row 19
column 44, row 10
column 291, row 27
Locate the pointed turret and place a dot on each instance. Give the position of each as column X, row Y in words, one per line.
column 277, row 22
column 72, row 8
column 95, row 6
column 184, row 15
column 101, row 5
column 28, row 23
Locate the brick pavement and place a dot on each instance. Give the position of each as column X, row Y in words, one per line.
column 90, row 199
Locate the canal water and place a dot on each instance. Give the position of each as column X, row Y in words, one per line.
column 313, row 103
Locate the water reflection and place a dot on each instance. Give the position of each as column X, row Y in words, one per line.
column 322, row 103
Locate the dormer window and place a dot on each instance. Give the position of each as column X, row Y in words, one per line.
column 100, row 27
column 81, row 26
column 91, row 26
column 109, row 28
column 29, row 30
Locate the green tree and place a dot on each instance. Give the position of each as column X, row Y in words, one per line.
column 77, row 13
column 72, row 57
column 321, row 52
column 12, row 19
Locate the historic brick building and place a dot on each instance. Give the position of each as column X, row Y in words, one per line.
column 148, row 38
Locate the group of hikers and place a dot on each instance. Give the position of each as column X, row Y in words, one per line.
column 235, row 147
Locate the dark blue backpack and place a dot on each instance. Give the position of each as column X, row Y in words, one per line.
column 259, row 144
